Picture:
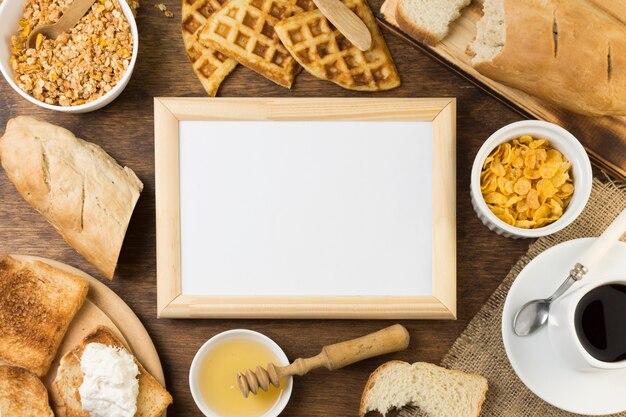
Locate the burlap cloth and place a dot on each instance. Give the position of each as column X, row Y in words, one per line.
column 480, row 349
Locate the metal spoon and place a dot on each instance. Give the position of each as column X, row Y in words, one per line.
column 71, row 15
column 534, row 314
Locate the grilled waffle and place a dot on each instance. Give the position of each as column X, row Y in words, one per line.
column 210, row 66
column 327, row 54
column 244, row 30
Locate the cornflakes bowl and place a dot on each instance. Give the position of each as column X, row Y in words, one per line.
column 11, row 12
column 559, row 139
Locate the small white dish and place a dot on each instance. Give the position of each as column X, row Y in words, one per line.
column 561, row 140
column 534, row 358
column 11, row 13
column 194, row 371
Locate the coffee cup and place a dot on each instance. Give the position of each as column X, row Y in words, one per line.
column 587, row 325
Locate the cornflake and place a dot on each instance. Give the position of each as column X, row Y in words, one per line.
column 526, row 183
column 79, row 66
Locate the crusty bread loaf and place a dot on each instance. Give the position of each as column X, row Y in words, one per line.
column 566, row 52
column 81, row 190
column 37, row 304
column 152, row 400
column 435, row 391
column 22, row 394
column 428, row 20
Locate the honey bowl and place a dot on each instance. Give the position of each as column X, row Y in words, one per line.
column 213, row 375
column 560, row 140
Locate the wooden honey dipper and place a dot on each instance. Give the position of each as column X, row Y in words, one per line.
column 390, row 339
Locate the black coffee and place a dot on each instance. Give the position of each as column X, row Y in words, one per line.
column 600, row 321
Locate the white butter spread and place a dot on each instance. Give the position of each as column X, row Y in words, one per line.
column 110, row 385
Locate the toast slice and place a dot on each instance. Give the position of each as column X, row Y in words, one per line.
column 325, row 53
column 152, row 400
column 37, row 304
column 435, row 391
column 22, row 394
column 244, row 31
column 428, row 20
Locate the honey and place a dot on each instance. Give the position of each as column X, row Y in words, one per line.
column 218, row 378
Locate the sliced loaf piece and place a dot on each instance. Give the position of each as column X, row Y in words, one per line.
column 428, row 20
column 152, row 400
column 37, row 305
column 436, row 391
column 22, row 394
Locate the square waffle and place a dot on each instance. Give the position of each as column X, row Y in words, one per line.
column 210, row 66
column 244, row 30
column 325, row 53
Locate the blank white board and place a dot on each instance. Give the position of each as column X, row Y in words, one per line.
column 322, row 208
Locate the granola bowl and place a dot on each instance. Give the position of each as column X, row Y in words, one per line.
column 11, row 11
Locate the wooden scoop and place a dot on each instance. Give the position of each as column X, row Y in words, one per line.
column 71, row 15
column 347, row 22
column 391, row 339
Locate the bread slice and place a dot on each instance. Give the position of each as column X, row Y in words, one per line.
column 428, row 20
column 22, row 394
column 82, row 192
column 37, row 304
column 152, row 400
column 436, row 391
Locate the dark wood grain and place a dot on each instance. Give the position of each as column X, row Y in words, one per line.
column 125, row 130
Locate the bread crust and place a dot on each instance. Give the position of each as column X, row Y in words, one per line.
column 152, row 400
column 374, row 375
column 22, row 394
column 37, row 305
column 82, row 192
column 582, row 68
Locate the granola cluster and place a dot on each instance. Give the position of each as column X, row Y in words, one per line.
column 80, row 65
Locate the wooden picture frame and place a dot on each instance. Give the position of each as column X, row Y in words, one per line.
column 173, row 303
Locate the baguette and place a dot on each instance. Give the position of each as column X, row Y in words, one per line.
column 568, row 53
column 86, row 196
column 152, row 400
column 428, row 20
column 435, row 391
column 22, row 394
column 37, row 304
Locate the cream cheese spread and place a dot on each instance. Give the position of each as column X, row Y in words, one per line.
column 110, row 385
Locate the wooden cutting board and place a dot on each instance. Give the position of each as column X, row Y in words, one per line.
column 603, row 137
column 101, row 308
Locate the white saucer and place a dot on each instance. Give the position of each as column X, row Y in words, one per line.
column 536, row 361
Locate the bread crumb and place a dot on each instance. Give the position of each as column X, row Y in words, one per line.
column 162, row 7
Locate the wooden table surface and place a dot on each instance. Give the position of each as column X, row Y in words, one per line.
column 125, row 130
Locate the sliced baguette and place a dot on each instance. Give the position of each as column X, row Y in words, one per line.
column 436, row 391
column 152, row 400
column 428, row 20
column 37, row 304
column 22, row 394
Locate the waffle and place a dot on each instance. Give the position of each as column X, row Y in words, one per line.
column 244, row 30
column 210, row 66
column 327, row 54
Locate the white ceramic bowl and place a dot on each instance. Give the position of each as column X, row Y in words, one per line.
column 194, row 371
column 11, row 13
column 561, row 140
